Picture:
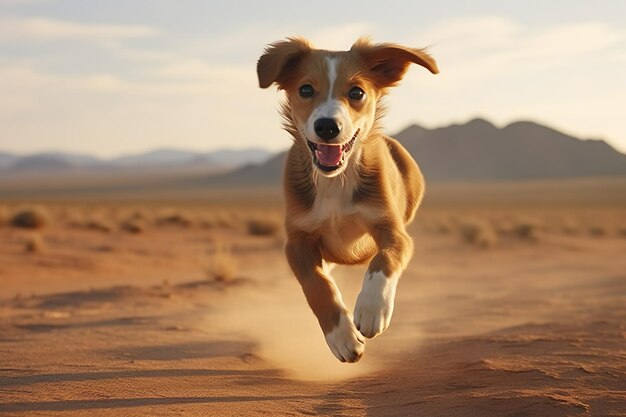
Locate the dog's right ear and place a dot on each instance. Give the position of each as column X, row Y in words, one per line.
column 278, row 59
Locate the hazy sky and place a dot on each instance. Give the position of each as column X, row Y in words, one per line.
column 119, row 76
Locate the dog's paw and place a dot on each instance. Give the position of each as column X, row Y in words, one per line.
column 345, row 341
column 374, row 305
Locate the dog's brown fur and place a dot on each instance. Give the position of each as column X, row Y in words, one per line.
column 360, row 214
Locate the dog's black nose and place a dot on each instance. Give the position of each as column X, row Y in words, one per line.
column 326, row 129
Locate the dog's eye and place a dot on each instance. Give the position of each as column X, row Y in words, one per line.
column 306, row 91
column 356, row 93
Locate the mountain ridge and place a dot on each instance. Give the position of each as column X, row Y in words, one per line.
column 478, row 151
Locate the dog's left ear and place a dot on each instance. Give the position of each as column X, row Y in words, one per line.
column 388, row 62
column 279, row 58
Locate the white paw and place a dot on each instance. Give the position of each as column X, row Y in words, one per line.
column 345, row 341
column 374, row 305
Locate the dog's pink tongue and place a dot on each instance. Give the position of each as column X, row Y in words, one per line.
column 329, row 155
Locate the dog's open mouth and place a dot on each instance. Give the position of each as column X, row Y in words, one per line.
column 330, row 157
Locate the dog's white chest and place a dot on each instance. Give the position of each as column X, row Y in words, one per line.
column 332, row 206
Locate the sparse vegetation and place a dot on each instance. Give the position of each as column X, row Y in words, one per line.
column 175, row 219
column 133, row 226
column 263, row 226
column 31, row 218
column 597, row 231
column 225, row 220
column 222, row 264
column 34, row 244
column 97, row 224
column 478, row 233
column 526, row 230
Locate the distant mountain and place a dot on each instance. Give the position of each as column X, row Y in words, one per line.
column 478, row 151
column 269, row 172
column 238, row 157
column 7, row 159
column 160, row 158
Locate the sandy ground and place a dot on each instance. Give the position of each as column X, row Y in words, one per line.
column 119, row 324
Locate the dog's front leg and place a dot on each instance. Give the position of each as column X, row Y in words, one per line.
column 374, row 305
column 324, row 298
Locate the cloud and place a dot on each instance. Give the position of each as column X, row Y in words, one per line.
column 480, row 48
column 42, row 29
column 197, row 89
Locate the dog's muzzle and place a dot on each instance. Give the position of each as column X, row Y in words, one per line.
column 330, row 157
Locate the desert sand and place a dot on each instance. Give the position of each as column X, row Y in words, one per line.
column 502, row 312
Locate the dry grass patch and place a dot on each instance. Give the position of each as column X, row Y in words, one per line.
column 526, row 230
column 98, row 225
column 267, row 226
column 34, row 244
column 222, row 265
column 31, row 218
column 174, row 219
column 598, row 231
column 133, row 226
column 478, row 233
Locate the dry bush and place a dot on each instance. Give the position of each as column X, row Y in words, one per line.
column 133, row 226
column 222, row 265
column 174, row 219
column 263, row 226
column 526, row 230
column 31, row 218
column 478, row 233
column 97, row 224
column 225, row 219
column 598, row 231
column 444, row 226
column 207, row 223
column 34, row 244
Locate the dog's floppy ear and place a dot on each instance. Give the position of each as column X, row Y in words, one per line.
column 388, row 62
column 278, row 59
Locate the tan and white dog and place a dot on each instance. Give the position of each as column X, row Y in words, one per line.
column 350, row 190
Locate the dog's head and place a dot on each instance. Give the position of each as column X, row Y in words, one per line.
column 332, row 97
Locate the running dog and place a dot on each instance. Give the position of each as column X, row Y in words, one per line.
column 350, row 190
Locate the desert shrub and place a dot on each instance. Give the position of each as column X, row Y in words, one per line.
column 31, row 218
column 225, row 220
column 97, row 224
column 34, row 244
column 443, row 226
column 222, row 265
column 133, row 226
column 175, row 219
column 207, row 223
column 526, row 230
column 263, row 227
column 597, row 231
column 478, row 233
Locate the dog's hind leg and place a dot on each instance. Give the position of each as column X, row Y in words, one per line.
column 375, row 303
column 323, row 296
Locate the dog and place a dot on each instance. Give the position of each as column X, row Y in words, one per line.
column 350, row 190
